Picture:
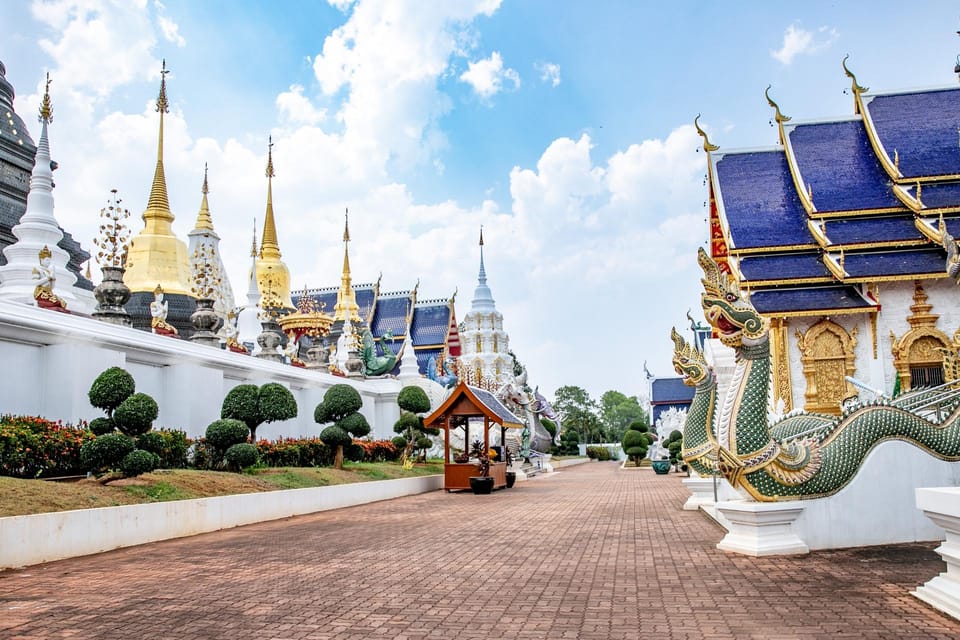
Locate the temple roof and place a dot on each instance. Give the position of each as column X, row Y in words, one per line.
column 670, row 391
column 785, row 266
column 920, row 126
column 834, row 299
column 837, row 162
column 758, row 201
column 927, row 261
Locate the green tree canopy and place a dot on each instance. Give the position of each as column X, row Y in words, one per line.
column 578, row 413
column 618, row 411
column 341, row 405
column 254, row 405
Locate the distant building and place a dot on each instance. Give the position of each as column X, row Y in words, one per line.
column 666, row 394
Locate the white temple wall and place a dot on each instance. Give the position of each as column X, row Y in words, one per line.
column 52, row 359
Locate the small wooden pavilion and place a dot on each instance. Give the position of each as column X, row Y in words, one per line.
column 467, row 402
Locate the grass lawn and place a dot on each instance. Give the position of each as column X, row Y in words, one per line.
column 22, row 497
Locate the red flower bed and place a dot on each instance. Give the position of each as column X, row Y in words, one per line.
column 32, row 447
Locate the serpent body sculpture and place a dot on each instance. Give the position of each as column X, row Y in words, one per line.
column 802, row 455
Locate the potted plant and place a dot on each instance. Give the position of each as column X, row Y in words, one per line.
column 661, row 466
column 511, row 475
column 482, row 483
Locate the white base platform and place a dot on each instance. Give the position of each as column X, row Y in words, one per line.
column 761, row 528
column 942, row 506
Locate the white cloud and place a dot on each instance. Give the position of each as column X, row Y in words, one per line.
column 297, row 109
column 549, row 72
column 797, row 41
column 487, row 76
column 171, row 31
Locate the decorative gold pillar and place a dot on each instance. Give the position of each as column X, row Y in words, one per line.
column 780, row 350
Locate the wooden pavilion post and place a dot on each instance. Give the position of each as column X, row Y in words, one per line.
column 446, row 439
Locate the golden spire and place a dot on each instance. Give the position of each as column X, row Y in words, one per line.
column 346, row 299
column 156, row 255
column 253, row 249
column 46, row 107
column 269, row 248
column 158, row 205
column 204, row 220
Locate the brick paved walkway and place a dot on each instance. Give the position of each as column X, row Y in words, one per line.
column 591, row 552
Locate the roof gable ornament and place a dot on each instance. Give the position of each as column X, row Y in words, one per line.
column 707, row 146
column 778, row 117
column 856, row 88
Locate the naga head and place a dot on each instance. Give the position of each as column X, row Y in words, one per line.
column 688, row 361
column 726, row 309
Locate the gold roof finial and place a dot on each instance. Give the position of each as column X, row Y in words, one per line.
column 856, row 88
column 269, row 247
column 46, row 106
column 205, row 189
column 162, row 104
column 481, row 235
column 253, row 250
column 778, row 117
column 896, row 159
column 707, row 146
column 346, row 225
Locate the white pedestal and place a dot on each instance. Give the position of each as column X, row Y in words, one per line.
column 942, row 506
column 761, row 528
column 701, row 492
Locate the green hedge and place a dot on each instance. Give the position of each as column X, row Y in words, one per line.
column 32, row 447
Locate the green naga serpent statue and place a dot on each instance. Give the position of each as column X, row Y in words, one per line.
column 801, row 455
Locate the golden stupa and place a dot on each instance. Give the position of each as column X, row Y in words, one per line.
column 156, row 256
column 273, row 277
column 346, row 305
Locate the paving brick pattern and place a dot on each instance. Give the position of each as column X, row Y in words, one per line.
column 591, row 552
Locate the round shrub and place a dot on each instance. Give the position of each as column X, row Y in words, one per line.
column 635, row 444
column 135, row 414
column 355, row 424
column 399, row 442
column 139, row 461
column 413, row 399
column 105, row 452
column 101, row 426
column 407, row 421
column 223, row 434
column 151, row 441
column 111, row 387
column 240, row 456
column 338, row 401
column 423, row 442
column 242, row 403
column 334, row 436
column 354, row 452
column 276, row 403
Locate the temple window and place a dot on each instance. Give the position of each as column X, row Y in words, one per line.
column 826, row 352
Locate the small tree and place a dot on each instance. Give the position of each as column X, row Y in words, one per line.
column 636, row 441
column 130, row 413
column 674, row 444
column 254, row 406
column 569, row 442
column 341, row 405
column 413, row 400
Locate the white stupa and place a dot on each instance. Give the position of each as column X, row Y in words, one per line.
column 486, row 345
column 37, row 229
column 248, row 322
column 203, row 234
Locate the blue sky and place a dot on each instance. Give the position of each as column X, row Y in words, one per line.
column 562, row 127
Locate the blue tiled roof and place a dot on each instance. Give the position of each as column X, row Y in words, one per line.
column 430, row 324
column 783, row 267
column 759, row 200
column 670, row 390
column 895, row 263
column 808, row 299
column 895, row 228
column 390, row 314
column 939, row 196
column 922, row 127
column 365, row 297
column 836, row 159
column 495, row 406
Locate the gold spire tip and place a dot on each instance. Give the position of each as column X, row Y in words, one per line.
column 162, row 105
column 346, row 226
column 253, row 251
column 270, row 172
column 205, row 189
column 481, row 235
column 46, row 107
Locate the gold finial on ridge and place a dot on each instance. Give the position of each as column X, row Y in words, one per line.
column 857, row 89
column 46, row 106
column 896, row 159
column 162, row 105
column 707, row 146
column 778, row 117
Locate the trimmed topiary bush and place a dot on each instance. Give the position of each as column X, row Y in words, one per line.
column 569, row 443
column 674, row 444
column 413, row 399
column 635, row 444
column 340, row 405
column 223, row 434
column 101, row 426
column 135, row 414
column 105, row 452
column 255, row 405
column 139, row 461
column 110, row 388
column 240, row 456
